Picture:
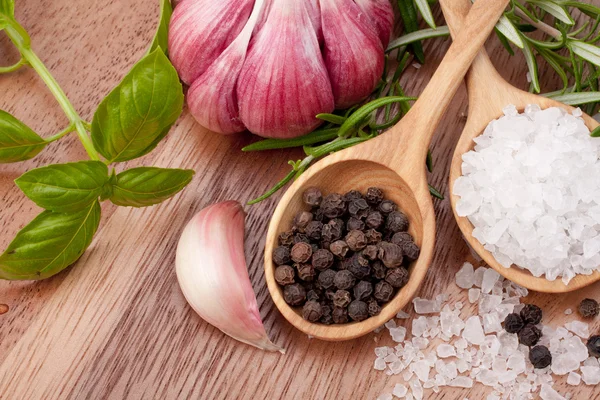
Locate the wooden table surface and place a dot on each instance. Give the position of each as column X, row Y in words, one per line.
column 116, row 325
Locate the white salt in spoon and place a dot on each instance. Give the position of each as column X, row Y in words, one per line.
column 488, row 95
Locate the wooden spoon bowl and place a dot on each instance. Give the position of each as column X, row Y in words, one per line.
column 394, row 162
column 488, row 95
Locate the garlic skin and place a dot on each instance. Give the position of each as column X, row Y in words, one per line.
column 353, row 51
column 284, row 83
column 381, row 14
column 200, row 31
column 212, row 273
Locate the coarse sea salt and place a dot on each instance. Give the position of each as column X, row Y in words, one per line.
column 448, row 350
column 530, row 189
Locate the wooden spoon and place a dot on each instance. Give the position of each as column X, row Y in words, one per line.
column 394, row 162
column 488, row 95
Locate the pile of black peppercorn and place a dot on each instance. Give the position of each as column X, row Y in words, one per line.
column 589, row 308
column 346, row 257
column 524, row 325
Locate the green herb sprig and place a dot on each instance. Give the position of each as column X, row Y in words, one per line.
column 129, row 123
column 568, row 48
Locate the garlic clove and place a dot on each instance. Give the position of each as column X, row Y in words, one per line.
column 284, row 84
column 381, row 14
column 314, row 12
column 354, row 55
column 212, row 98
column 212, row 273
column 200, row 30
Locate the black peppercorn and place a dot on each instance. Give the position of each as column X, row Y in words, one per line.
column 339, row 248
column 300, row 238
column 329, row 294
column 531, row 314
column 333, row 205
column 363, row 290
column 529, row 335
column 326, row 318
column 390, row 254
column 358, row 208
column 355, row 224
column 313, row 230
column 383, row 292
column 387, row 206
column 281, row 255
column 322, row 259
column 312, row 197
column 340, row 315
column 306, row 272
column 356, row 240
column 301, row 252
column 342, row 298
column 344, row 279
column 294, row 294
column 374, row 196
column 513, row 323
column 358, row 310
column 374, row 307
column 284, row 275
column 359, row 266
column 286, row 238
column 593, row 346
column 302, row 219
column 333, row 230
column 326, row 278
column 370, row 252
column 379, row 270
column 540, row 356
column 318, row 215
column 372, row 236
column 411, row 251
column 396, row 222
column 589, row 308
column 374, row 220
column 313, row 295
column 312, row 311
column 400, row 238
column 397, row 277
column 352, row 195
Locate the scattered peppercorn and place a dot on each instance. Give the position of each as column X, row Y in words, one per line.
column 344, row 279
column 294, row 294
column 312, row 197
column 322, row 259
column 312, row 311
column 593, row 346
column 350, row 255
column 513, row 323
column 358, row 310
column 342, row 298
column 529, row 335
column 540, row 356
column 531, row 314
column 589, row 308
column 281, row 255
column 284, row 275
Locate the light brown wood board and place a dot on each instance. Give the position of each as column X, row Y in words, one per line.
column 116, row 325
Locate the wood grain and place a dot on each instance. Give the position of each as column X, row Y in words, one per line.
column 115, row 325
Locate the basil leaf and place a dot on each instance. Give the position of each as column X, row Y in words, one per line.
column 17, row 141
column 65, row 187
column 139, row 110
column 146, row 186
column 49, row 244
column 161, row 38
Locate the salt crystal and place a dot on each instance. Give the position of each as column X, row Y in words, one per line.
column 398, row 334
column 390, row 324
column 461, row 382
column 563, row 364
column 385, row 396
column 516, row 362
column 379, row 364
column 465, row 276
column 591, row 362
column 420, row 343
column 421, row 369
column 478, row 276
column 574, row 379
column 491, row 323
column 424, row 306
column 474, row 295
column 417, row 389
column 419, row 326
column 402, row 315
column 400, row 390
column 446, row 350
column 490, row 277
column 579, row 328
column 568, row 311
column 474, row 331
column 590, row 375
column 547, row 393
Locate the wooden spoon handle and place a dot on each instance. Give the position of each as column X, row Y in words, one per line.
column 429, row 109
column 482, row 75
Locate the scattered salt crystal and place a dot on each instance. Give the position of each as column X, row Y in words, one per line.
column 417, row 389
column 419, row 326
column 579, row 328
column 490, row 277
column 547, row 393
column 462, row 382
column 473, row 331
column 590, row 375
column 474, row 295
column 402, row 315
column 416, row 65
column 424, row 306
column 445, row 350
column 398, row 334
column 491, row 323
column 574, row 379
column 400, row 390
column 385, row 396
column 465, row 276
column 390, row 324
column 379, row 364
column 381, row 351
column 478, row 276
column 591, row 362
column 568, row 311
